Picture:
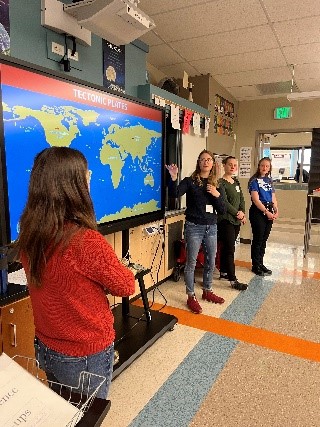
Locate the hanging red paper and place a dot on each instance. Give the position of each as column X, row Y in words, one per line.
column 186, row 121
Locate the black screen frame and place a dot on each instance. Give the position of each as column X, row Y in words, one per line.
column 105, row 228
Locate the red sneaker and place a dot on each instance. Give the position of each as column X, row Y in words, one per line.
column 193, row 304
column 211, row 297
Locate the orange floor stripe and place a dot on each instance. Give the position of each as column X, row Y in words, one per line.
column 303, row 273
column 240, row 263
column 249, row 334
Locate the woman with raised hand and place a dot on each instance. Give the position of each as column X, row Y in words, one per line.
column 203, row 201
column 70, row 267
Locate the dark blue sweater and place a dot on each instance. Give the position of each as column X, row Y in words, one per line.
column 197, row 198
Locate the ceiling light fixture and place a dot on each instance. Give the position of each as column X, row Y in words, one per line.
column 301, row 96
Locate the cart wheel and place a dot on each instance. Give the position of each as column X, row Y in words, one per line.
column 176, row 274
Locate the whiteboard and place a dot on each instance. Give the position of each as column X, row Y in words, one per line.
column 192, row 145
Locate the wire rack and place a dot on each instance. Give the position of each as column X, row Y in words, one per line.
column 80, row 396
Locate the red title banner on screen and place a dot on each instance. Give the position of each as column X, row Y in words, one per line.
column 39, row 83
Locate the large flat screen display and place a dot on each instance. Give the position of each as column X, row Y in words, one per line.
column 121, row 138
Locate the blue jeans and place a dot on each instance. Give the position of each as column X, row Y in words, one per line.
column 66, row 370
column 194, row 236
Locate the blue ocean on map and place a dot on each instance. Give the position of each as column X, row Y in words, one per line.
column 25, row 137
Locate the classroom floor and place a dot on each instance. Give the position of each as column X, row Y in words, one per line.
column 252, row 361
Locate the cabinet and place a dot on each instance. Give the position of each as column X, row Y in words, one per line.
column 156, row 252
column 17, row 328
column 147, row 250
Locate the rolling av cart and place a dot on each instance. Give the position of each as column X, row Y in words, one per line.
column 137, row 328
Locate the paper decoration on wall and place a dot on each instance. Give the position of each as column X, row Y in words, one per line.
column 222, row 106
column 196, row 124
column 178, row 111
column 186, row 120
column 245, row 154
column 175, row 116
column 223, row 117
column 185, row 80
column 206, row 126
column 159, row 101
column 245, row 162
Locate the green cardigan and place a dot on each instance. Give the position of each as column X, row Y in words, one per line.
column 234, row 200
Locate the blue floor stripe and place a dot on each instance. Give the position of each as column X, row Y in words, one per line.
column 180, row 397
column 177, row 401
column 244, row 308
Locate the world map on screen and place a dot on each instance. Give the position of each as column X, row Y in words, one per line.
column 123, row 152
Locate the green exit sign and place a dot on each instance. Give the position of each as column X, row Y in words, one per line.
column 282, row 113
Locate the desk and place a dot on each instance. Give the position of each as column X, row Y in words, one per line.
column 307, row 230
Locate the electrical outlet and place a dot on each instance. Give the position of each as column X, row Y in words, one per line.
column 75, row 57
column 57, row 49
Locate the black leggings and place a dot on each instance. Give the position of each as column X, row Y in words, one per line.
column 261, row 227
column 227, row 235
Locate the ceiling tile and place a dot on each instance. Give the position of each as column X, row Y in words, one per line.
column 243, row 91
column 151, row 39
column 307, row 71
column 308, row 85
column 285, row 10
column 215, row 17
column 241, row 43
column 177, row 70
column 156, row 7
column 299, row 31
column 230, row 43
column 163, row 55
column 254, row 77
column 242, row 62
column 304, row 53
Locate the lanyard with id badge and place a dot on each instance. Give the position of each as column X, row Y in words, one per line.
column 209, row 209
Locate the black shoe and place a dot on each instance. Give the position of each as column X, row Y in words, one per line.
column 223, row 276
column 238, row 286
column 266, row 270
column 258, row 271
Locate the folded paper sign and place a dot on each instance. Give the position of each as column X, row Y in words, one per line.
column 27, row 401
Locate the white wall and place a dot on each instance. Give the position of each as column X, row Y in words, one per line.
column 192, row 145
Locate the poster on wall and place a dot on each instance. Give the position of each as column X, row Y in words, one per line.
column 224, row 115
column 245, row 162
column 113, row 66
column 4, row 27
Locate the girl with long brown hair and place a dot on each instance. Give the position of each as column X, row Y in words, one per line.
column 70, row 267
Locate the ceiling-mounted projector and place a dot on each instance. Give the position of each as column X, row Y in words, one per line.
column 118, row 21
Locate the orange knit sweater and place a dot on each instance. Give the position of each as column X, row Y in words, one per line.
column 71, row 311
